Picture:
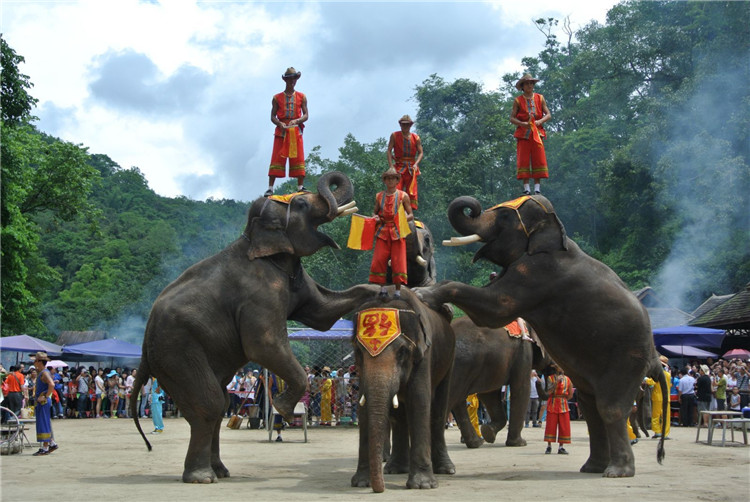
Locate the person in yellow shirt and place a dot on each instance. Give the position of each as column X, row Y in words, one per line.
column 657, row 400
column 472, row 406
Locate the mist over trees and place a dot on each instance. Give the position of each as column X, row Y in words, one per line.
column 648, row 151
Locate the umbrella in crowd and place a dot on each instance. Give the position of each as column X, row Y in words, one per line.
column 737, row 354
column 56, row 363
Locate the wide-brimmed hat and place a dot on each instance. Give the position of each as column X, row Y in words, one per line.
column 291, row 73
column 326, row 369
column 41, row 356
column 405, row 119
column 526, row 78
column 704, row 369
column 111, row 374
column 390, row 173
column 664, row 359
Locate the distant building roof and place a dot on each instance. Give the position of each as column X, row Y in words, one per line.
column 662, row 314
column 711, row 303
column 73, row 337
column 667, row 317
column 732, row 314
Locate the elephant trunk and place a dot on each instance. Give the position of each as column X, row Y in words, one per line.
column 342, row 194
column 465, row 223
column 380, row 384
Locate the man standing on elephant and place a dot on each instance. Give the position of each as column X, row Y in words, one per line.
column 558, row 413
column 390, row 206
column 529, row 112
column 407, row 154
column 288, row 114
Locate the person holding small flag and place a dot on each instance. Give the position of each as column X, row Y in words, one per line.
column 392, row 213
column 529, row 112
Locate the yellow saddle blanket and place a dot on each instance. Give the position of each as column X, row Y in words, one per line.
column 377, row 328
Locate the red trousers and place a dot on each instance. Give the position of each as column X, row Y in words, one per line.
column 408, row 183
column 531, row 161
column 557, row 429
column 278, row 163
column 395, row 249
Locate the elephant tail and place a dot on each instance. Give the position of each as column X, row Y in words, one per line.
column 665, row 413
column 144, row 373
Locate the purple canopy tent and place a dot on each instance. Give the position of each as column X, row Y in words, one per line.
column 693, row 336
column 341, row 330
column 109, row 347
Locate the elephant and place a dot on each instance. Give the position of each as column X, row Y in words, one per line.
column 486, row 359
column 584, row 314
column 407, row 385
column 232, row 308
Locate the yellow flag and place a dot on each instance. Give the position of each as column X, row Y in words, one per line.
column 401, row 223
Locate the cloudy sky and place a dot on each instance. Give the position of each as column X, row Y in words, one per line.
column 182, row 89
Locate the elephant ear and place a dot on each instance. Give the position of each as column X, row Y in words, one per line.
column 267, row 239
column 548, row 234
column 424, row 339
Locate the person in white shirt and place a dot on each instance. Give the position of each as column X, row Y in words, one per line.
column 532, row 411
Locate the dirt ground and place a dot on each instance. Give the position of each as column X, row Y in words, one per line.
column 107, row 459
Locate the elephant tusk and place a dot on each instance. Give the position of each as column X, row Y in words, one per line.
column 348, row 211
column 462, row 241
column 346, row 206
column 362, row 400
column 422, row 262
column 395, row 401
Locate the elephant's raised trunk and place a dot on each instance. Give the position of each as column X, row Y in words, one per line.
column 465, row 223
column 341, row 195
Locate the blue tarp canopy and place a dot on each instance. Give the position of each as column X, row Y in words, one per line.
column 341, row 330
column 109, row 347
column 692, row 336
column 26, row 343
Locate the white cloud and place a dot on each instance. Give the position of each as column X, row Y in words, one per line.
column 182, row 89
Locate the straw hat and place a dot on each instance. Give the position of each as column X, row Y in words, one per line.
column 391, row 173
column 41, row 356
column 526, row 78
column 291, row 73
column 405, row 119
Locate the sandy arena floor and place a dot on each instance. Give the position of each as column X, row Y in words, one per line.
column 107, row 459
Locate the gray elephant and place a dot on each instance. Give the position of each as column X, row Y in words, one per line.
column 486, row 359
column 404, row 379
column 585, row 316
column 232, row 308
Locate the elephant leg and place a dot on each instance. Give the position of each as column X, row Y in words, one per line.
column 621, row 458
column 496, row 410
column 418, row 411
column 520, row 390
column 361, row 478
column 441, row 461
column 469, row 435
column 201, row 398
column 216, row 464
column 279, row 359
column 598, row 443
column 398, row 461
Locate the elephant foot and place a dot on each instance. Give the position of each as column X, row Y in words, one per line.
column 220, row 470
column 594, row 466
column 422, row 481
column 444, row 466
column 519, row 441
column 619, row 471
column 203, row 476
column 488, row 433
column 473, row 442
column 361, row 479
column 395, row 468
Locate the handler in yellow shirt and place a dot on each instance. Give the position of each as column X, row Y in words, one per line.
column 657, row 400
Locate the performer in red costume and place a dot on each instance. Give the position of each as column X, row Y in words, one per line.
column 558, row 413
column 390, row 234
column 529, row 113
column 407, row 154
column 288, row 113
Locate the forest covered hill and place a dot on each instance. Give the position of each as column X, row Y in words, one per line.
column 648, row 150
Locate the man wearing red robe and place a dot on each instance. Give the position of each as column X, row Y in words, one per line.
column 288, row 114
